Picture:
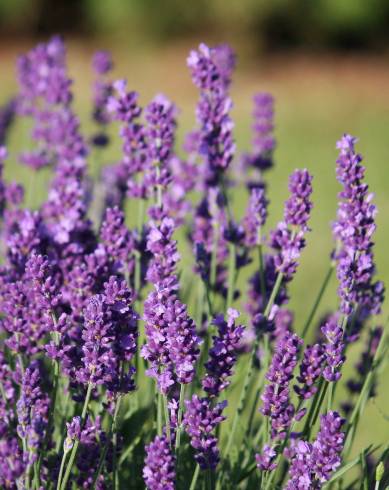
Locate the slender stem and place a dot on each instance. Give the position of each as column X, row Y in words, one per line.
column 159, row 413
column 231, row 275
column 212, row 277
column 179, row 417
column 167, row 418
column 62, row 467
column 195, row 477
column 330, row 396
column 73, row 454
column 262, row 272
column 273, row 295
column 115, row 444
column 318, row 299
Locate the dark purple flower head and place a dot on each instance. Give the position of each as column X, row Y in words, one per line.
column 73, row 429
column 264, row 142
column 160, row 129
column 200, row 421
column 313, row 464
column 311, row 368
column 328, row 446
column 171, row 341
column 109, row 339
column 123, row 105
column 210, row 75
column 45, row 281
column 102, row 62
column 288, row 246
column 159, row 471
column 255, row 217
column 288, row 238
column 222, row 355
column 211, row 68
column 334, row 350
column 353, row 230
column 182, row 341
column 165, row 255
column 276, row 396
column 265, row 460
column 32, row 411
column 118, row 240
column 298, row 206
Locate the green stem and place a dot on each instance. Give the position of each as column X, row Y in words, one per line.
column 115, row 444
column 330, row 396
column 273, row 295
column 179, row 417
column 62, row 467
column 212, row 277
column 195, row 478
column 73, row 454
column 317, row 302
column 261, row 272
column 231, row 275
column 167, row 418
column 159, row 413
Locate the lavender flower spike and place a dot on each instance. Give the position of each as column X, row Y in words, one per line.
column 200, row 420
column 288, row 238
column 276, row 396
column 354, row 229
column 333, row 350
column 159, row 471
column 312, row 464
column 222, row 356
column 256, row 215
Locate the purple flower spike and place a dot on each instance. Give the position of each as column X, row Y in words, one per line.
column 354, row 229
column 200, row 420
column 123, row 106
column 334, row 349
column 211, row 77
column 161, row 124
column 32, row 411
column 276, row 396
column 311, row 368
column 256, row 215
column 298, row 206
column 222, row 356
column 159, row 472
column 264, row 142
column 312, row 464
column 182, row 341
column 288, row 238
column 265, row 460
column 102, row 62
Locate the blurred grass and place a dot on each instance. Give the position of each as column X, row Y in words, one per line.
column 316, row 101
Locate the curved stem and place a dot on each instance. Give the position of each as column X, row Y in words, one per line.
column 195, row 478
column 73, row 454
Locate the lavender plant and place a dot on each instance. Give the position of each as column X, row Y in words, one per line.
column 116, row 370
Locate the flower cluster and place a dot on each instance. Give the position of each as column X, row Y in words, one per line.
column 354, row 229
column 200, row 421
column 313, row 463
column 95, row 299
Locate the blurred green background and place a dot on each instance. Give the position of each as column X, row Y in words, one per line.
column 325, row 61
